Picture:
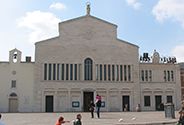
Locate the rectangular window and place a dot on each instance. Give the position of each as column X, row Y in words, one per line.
column 45, row 71
column 105, row 73
column 62, row 72
column 13, row 84
column 142, row 75
column 50, row 71
column 172, row 75
column 100, row 71
column 182, row 79
column 67, row 71
column 71, row 71
column 96, row 71
column 75, row 71
column 129, row 73
column 125, row 72
column 80, row 71
column 165, row 79
column 117, row 72
column 121, row 72
column 58, row 68
column 168, row 75
column 146, row 75
column 169, row 99
column 150, row 75
column 109, row 72
column 54, row 71
column 147, row 101
column 113, row 73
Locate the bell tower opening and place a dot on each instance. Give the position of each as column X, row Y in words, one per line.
column 15, row 56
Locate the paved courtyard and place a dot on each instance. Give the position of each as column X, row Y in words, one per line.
column 107, row 118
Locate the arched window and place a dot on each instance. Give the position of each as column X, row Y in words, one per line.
column 88, row 69
column 15, row 57
column 13, row 95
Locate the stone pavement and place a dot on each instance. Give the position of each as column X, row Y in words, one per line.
column 107, row 118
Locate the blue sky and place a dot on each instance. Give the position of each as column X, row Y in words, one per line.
column 150, row 24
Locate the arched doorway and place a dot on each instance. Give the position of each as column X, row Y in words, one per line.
column 13, row 102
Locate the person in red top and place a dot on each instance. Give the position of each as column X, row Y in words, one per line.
column 98, row 98
column 61, row 121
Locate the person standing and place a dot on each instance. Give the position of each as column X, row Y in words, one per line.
column 1, row 123
column 181, row 113
column 98, row 97
column 138, row 108
column 78, row 120
column 92, row 108
column 98, row 105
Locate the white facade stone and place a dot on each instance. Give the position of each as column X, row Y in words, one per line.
column 22, row 73
column 56, row 81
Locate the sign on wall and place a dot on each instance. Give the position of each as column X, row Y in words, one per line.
column 75, row 104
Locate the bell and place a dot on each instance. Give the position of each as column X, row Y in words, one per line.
column 15, row 56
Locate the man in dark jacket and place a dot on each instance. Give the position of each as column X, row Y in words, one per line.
column 98, row 105
column 78, row 120
column 92, row 108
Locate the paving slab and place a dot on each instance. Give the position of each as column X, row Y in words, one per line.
column 107, row 118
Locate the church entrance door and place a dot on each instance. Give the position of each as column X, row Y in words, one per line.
column 49, row 103
column 13, row 105
column 87, row 97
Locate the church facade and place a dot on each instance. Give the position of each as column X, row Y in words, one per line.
column 87, row 59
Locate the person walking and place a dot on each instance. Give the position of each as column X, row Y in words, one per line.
column 61, row 121
column 1, row 123
column 92, row 108
column 98, row 105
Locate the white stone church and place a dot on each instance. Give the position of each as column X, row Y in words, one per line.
column 87, row 59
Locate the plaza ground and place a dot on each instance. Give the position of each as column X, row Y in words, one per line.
column 107, row 118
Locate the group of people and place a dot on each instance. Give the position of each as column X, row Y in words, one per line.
column 92, row 106
column 98, row 103
column 61, row 120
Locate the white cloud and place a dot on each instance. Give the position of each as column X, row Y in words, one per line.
column 134, row 3
column 42, row 25
column 178, row 52
column 57, row 6
column 169, row 9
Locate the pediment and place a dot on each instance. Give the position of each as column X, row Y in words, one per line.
column 88, row 17
column 87, row 28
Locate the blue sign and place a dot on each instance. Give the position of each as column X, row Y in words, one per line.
column 75, row 104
